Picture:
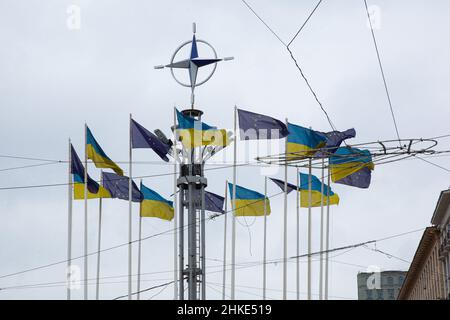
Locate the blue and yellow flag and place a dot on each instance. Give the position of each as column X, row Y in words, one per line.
column 346, row 161
column 95, row 190
column 155, row 206
column 98, row 156
column 249, row 203
column 194, row 133
column 303, row 142
column 316, row 192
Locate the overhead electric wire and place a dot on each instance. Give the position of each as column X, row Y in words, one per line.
column 28, row 166
column 135, row 177
column 243, row 265
column 382, row 72
column 304, row 23
column 120, row 245
column 145, row 290
column 432, row 163
column 157, row 234
column 267, row 26
column 292, row 56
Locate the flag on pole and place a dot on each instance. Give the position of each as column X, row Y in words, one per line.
column 214, row 202
column 153, row 205
column 316, row 192
column 255, row 126
column 95, row 190
column 346, row 162
column 194, row 133
column 142, row 138
column 118, row 187
column 248, row 202
column 359, row 179
column 98, row 156
column 280, row 183
column 333, row 141
column 303, row 142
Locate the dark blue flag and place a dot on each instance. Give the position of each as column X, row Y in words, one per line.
column 142, row 138
column 333, row 141
column 254, row 126
column 359, row 179
column 280, row 183
column 118, row 187
column 214, row 202
column 77, row 169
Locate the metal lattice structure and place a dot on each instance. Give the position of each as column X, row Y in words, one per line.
column 191, row 182
column 383, row 152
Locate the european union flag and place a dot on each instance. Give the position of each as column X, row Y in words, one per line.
column 118, row 187
column 214, row 202
column 142, row 138
column 359, row 179
column 255, row 126
column 280, row 183
column 333, row 141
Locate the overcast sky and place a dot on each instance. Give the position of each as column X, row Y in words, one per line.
column 54, row 77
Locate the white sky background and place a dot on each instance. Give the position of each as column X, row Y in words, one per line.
column 53, row 79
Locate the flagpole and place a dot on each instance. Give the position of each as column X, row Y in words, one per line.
column 298, row 236
column 285, row 226
column 175, row 206
column 327, row 239
column 309, row 227
column 265, row 238
column 69, row 223
column 321, row 234
column 97, row 282
column 233, row 203
column 224, row 273
column 130, row 213
column 203, row 240
column 85, row 216
column 139, row 257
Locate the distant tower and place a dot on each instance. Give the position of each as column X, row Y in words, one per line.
column 191, row 181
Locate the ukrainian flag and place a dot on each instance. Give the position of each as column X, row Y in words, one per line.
column 303, row 142
column 248, row 202
column 194, row 133
column 98, row 156
column 316, row 192
column 153, row 205
column 347, row 161
column 94, row 189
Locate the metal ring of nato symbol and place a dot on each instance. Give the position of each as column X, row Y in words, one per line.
column 173, row 66
column 192, row 64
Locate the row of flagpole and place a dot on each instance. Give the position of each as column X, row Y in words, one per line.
column 99, row 241
column 323, row 287
column 309, row 232
column 85, row 215
column 85, row 240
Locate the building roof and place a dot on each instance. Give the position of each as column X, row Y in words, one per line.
column 441, row 208
column 429, row 237
column 384, row 271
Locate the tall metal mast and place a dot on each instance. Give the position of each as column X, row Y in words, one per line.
column 191, row 182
